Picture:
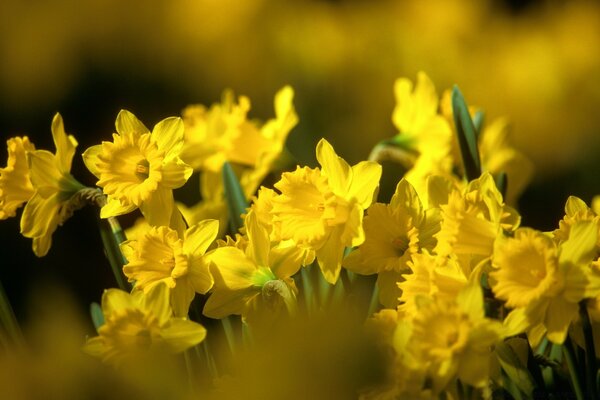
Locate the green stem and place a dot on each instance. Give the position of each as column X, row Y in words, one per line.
column 590, row 351
column 374, row 303
column 569, row 352
column 307, row 288
column 229, row 334
column 112, row 236
column 9, row 321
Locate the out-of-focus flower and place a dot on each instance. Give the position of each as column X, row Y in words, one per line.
column 543, row 281
column 472, row 220
column 141, row 324
column 423, row 132
column 323, row 209
column 393, row 234
column 430, row 276
column 15, row 184
column 256, row 281
column 54, row 186
column 161, row 255
column 576, row 210
column 223, row 133
column 455, row 338
column 140, row 169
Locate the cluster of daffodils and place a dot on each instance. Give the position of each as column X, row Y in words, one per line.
column 465, row 302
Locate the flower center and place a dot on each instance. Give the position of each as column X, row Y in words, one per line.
column 400, row 243
column 142, row 169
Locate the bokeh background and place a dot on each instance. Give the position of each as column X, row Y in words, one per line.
column 536, row 62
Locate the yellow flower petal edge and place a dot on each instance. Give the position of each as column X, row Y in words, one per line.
column 15, row 184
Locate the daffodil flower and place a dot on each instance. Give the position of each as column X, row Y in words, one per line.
column 140, row 169
column 544, row 282
column 140, row 324
column 15, row 183
column 394, row 232
column 322, row 209
column 54, row 186
column 162, row 255
column 253, row 282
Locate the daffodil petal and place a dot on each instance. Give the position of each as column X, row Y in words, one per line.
column 39, row 216
column 156, row 301
column 114, row 300
column 233, row 267
column 181, row 298
column 42, row 169
column 259, row 240
column 168, row 134
column 329, row 256
column 580, row 247
column 90, row 159
column 337, row 170
column 365, row 180
column 41, row 245
column 127, row 123
column 65, row 144
column 181, row 334
column 559, row 315
column 159, row 208
column 199, row 275
column 114, row 207
column 175, row 173
column 199, row 236
column 224, row 302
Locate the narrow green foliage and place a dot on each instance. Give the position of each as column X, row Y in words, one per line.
column 112, row 236
column 513, row 366
column 467, row 136
column 8, row 320
column 478, row 120
column 234, row 196
column 569, row 352
column 590, row 351
column 97, row 316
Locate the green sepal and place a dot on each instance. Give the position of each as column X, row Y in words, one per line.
column 467, row 137
column 234, row 197
column 514, row 367
column 97, row 316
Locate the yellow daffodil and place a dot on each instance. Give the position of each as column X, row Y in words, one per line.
column 254, row 282
column 545, row 282
column 423, row 132
column 54, row 186
column 430, row 276
column 576, row 210
column 455, row 338
column 223, row 133
column 140, row 169
column 161, row 255
column 141, row 324
column 472, row 220
column 15, row 184
column 393, row 234
column 323, row 209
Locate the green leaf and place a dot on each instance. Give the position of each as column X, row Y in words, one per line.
column 478, row 120
column 234, row 196
column 97, row 316
column 467, row 136
column 514, row 366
